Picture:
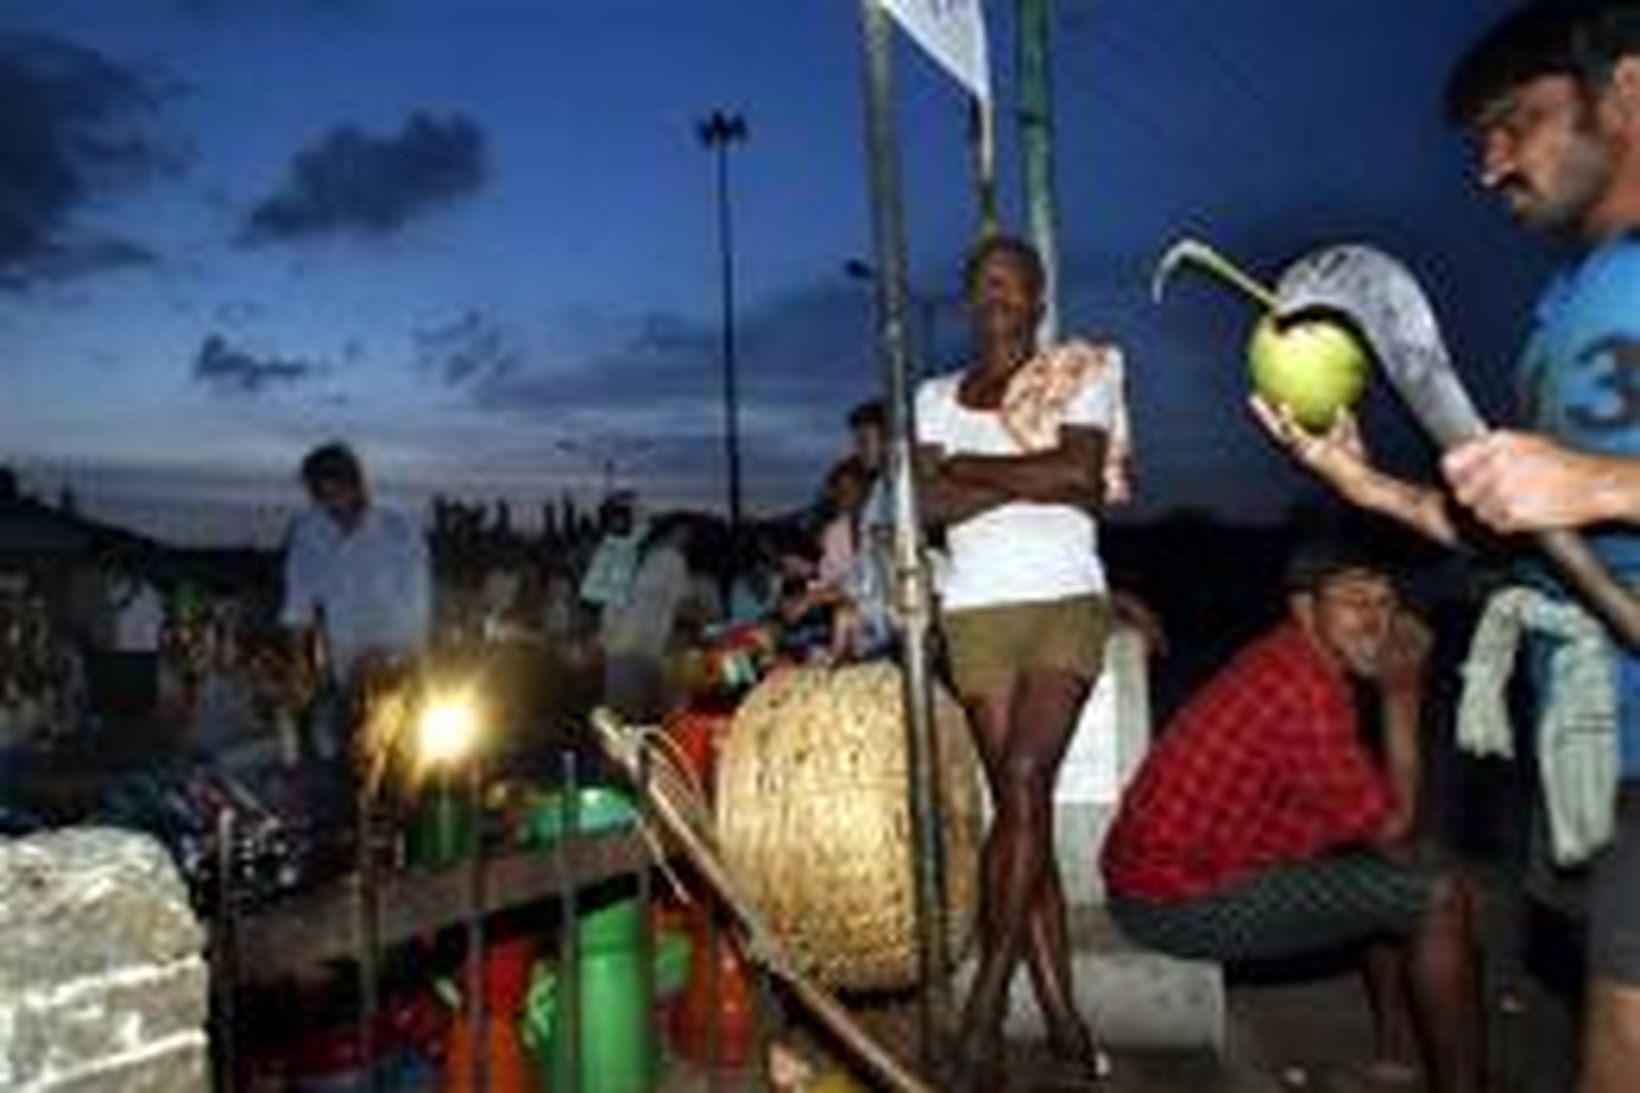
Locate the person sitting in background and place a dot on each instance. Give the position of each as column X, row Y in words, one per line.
column 871, row 580
column 831, row 592
column 1259, row 826
column 817, row 578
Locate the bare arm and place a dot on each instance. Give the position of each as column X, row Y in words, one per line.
column 1516, row 481
column 1339, row 458
column 946, row 500
column 1071, row 473
column 1401, row 674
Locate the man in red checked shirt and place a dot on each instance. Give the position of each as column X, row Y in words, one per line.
column 1260, row 826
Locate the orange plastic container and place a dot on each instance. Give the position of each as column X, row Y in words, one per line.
column 733, row 1010
column 509, row 1068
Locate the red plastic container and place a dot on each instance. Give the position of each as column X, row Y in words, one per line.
column 509, row 1069
column 695, row 731
column 732, row 1010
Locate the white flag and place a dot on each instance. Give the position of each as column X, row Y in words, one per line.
column 953, row 33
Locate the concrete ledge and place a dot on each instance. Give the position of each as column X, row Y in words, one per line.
column 1135, row 999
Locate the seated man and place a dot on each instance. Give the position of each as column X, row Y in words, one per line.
column 1260, row 827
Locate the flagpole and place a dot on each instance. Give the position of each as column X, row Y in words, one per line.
column 911, row 574
column 982, row 143
column 1036, row 145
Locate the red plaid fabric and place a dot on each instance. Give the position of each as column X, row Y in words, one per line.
column 1264, row 766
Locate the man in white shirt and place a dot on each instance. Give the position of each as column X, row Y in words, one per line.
column 608, row 578
column 357, row 577
column 1024, row 611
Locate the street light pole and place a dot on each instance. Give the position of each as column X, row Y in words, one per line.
column 718, row 131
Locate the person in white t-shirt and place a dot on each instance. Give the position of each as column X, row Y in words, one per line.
column 1011, row 464
column 358, row 583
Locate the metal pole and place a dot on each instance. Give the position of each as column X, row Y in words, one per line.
column 718, row 131
column 911, row 574
column 224, row 951
column 982, row 147
column 367, row 881
column 1036, row 144
column 646, row 932
column 477, row 977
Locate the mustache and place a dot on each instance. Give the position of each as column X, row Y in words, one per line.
column 1512, row 185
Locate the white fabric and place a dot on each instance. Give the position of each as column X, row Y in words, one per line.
column 953, row 33
column 373, row 584
column 641, row 623
column 608, row 578
column 871, row 579
column 139, row 614
column 1021, row 552
column 1039, row 392
column 1577, row 727
column 1112, row 732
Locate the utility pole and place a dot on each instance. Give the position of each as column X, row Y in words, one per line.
column 912, row 593
column 718, row 132
column 1036, row 145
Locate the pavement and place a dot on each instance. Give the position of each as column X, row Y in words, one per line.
column 1304, row 1034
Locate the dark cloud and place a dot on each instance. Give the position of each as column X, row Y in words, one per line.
column 472, row 349
column 230, row 371
column 353, row 182
column 58, row 262
column 654, row 400
column 70, row 130
column 807, row 347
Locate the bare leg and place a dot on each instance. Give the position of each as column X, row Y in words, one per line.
column 1395, row 1037
column 1444, row 986
column 1019, row 849
column 1048, row 956
column 988, row 717
column 1611, row 1038
column 1047, row 941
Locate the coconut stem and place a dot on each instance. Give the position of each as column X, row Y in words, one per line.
column 1190, row 249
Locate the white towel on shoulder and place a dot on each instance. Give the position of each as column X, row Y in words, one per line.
column 1577, row 726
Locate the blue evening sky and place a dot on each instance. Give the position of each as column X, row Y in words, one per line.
column 476, row 237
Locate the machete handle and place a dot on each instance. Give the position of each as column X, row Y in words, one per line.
column 1617, row 607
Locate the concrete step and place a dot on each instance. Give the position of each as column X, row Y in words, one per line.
column 1135, row 999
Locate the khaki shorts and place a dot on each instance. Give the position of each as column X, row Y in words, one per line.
column 991, row 647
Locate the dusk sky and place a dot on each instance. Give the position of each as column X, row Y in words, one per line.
column 476, row 237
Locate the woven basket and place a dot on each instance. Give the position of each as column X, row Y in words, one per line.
column 814, row 820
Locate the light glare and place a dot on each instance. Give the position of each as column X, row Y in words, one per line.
column 446, row 730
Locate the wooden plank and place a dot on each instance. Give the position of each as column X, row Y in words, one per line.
column 322, row 924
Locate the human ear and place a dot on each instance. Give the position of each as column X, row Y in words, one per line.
column 1623, row 90
column 1301, row 605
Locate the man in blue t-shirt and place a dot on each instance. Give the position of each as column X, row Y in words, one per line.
column 1551, row 99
